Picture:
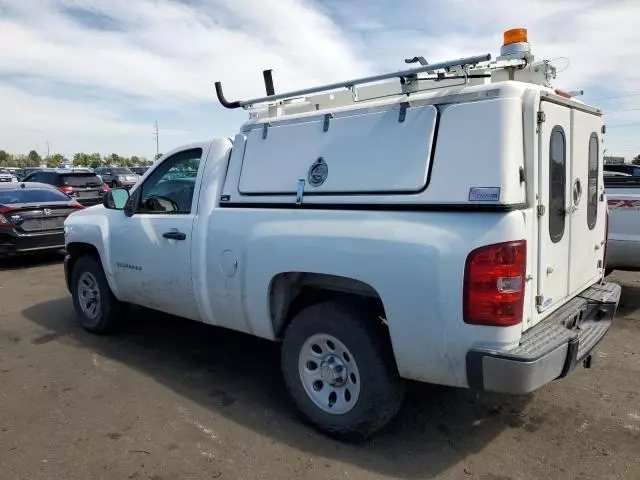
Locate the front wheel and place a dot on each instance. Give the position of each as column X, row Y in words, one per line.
column 96, row 307
column 339, row 369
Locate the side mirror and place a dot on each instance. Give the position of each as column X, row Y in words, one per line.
column 116, row 199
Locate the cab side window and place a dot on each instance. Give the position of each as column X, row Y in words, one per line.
column 170, row 187
column 557, row 183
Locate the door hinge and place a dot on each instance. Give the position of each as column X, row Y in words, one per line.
column 540, row 210
column 539, row 299
column 541, row 116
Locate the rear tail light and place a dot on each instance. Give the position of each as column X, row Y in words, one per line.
column 76, row 205
column 105, row 188
column 66, row 189
column 4, row 222
column 494, row 284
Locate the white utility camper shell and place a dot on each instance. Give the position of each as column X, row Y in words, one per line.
column 388, row 151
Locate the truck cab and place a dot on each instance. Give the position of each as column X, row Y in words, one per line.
column 445, row 224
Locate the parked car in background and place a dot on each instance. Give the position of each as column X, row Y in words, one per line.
column 626, row 168
column 7, row 176
column 139, row 170
column 118, row 176
column 607, row 173
column 32, row 217
column 23, row 173
column 87, row 188
column 623, row 197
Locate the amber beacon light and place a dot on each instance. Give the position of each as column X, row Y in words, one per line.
column 515, row 35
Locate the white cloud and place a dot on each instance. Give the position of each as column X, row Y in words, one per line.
column 599, row 38
column 173, row 52
column 163, row 54
column 70, row 126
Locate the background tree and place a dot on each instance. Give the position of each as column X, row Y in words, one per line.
column 6, row 159
column 636, row 160
column 33, row 159
column 21, row 161
column 95, row 160
column 113, row 159
column 81, row 160
column 56, row 160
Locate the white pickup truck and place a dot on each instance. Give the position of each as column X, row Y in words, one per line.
column 428, row 224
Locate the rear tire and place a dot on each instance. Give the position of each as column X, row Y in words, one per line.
column 339, row 368
column 98, row 310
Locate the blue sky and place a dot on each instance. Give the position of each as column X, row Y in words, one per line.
column 94, row 75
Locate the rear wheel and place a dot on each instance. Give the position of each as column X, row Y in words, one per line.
column 339, row 369
column 96, row 307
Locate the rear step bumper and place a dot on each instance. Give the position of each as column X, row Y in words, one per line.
column 551, row 349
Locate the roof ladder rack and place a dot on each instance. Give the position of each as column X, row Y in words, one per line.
column 272, row 97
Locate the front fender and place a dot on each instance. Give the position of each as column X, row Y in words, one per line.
column 91, row 227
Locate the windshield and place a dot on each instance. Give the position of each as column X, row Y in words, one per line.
column 32, row 195
column 121, row 171
column 81, row 180
column 4, row 171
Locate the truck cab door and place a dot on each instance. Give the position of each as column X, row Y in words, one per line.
column 151, row 250
column 554, row 149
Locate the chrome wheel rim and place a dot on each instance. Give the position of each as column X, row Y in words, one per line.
column 89, row 295
column 329, row 374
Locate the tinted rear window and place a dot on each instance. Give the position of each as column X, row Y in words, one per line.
column 4, row 170
column 31, row 195
column 592, row 189
column 557, row 184
column 81, row 180
column 120, row 171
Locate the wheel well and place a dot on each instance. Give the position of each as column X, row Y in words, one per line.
column 291, row 292
column 76, row 250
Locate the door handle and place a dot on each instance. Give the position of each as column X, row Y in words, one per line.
column 175, row 235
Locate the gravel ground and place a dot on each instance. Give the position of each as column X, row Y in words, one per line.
column 166, row 398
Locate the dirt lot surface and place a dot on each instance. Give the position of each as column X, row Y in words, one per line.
column 171, row 399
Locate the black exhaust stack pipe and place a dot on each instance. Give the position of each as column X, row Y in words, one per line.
column 268, row 82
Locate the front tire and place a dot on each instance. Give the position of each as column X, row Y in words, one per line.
column 339, row 369
column 98, row 310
